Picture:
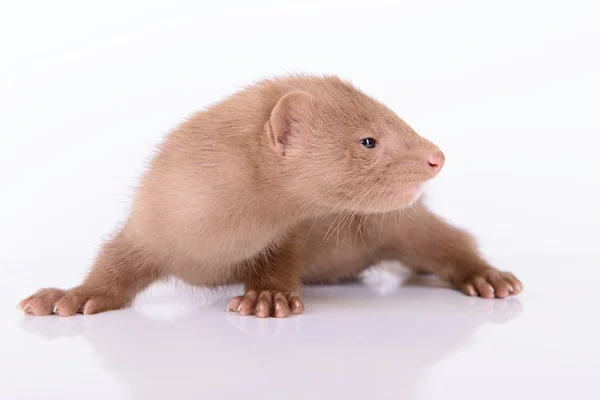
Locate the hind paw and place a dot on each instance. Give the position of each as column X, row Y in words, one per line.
column 492, row 283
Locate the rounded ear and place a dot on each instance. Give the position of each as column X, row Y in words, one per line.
column 292, row 110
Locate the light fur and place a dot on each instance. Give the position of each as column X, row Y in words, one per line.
column 271, row 188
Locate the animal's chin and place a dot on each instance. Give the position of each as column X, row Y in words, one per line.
column 409, row 194
column 405, row 196
column 397, row 200
column 400, row 198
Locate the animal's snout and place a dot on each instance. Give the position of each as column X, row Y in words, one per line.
column 436, row 160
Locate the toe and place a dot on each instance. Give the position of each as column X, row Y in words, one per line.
column 24, row 303
column 282, row 309
column 264, row 304
column 469, row 290
column 234, row 304
column 515, row 283
column 248, row 303
column 484, row 288
column 518, row 288
column 70, row 304
column 502, row 288
column 295, row 303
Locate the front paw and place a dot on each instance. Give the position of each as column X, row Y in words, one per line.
column 267, row 303
column 491, row 283
column 66, row 303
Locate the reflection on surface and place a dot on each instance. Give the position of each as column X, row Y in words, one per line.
column 348, row 334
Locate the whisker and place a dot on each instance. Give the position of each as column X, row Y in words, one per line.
column 349, row 206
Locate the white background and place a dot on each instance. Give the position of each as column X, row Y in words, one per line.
column 509, row 90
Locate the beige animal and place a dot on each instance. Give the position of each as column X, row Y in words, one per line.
column 291, row 180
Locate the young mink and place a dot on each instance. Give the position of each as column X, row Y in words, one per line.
column 236, row 194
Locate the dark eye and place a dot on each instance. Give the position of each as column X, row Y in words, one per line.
column 369, row 143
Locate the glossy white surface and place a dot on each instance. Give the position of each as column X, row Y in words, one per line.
column 509, row 91
column 417, row 342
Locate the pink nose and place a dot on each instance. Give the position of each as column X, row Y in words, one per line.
column 436, row 160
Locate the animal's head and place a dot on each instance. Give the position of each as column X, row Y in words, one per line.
column 344, row 150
